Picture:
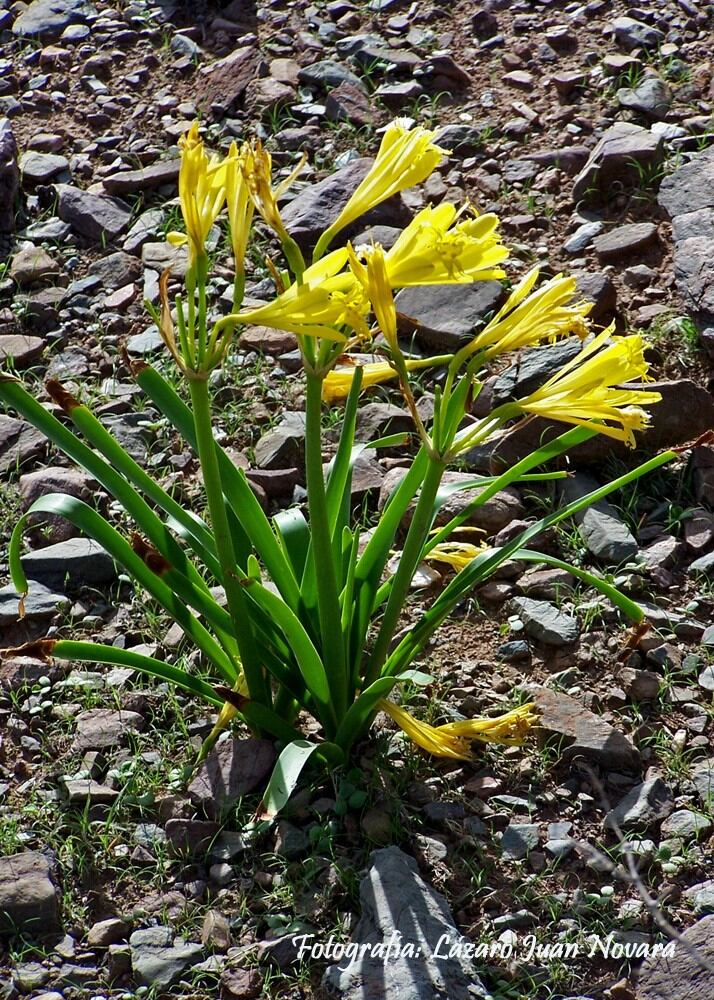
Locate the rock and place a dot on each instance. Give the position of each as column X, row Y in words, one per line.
column 313, row 209
column 221, row 85
column 694, row 274
column 652, row 97
column 348, row 103
column 621, row 149
column 689, row 190
column 232, row 769
column 158, row 960
column 40, row 603
column 376, row 420
column 158, row 256
column 598, row 289
column 544, row 622
column 19, row 443
column 704, row 564
column 588, row 735
column 106, row 932
column 491, row 516
column 39, row 168
column 28, row 897
column 686, row 824
column 639, row 685
column 20, row 349
column 623, row 241
column 267, row 340
column 534, row 366
column 445, row 316
column 645, row 805
column 283, row 446
column 78, row 560
column 159, row 174
column 703, row 780
column 9, row 177
column 45, row 20
column 701, row 896
column 116, row 269
column 290, row 841
column 397, row 902
column 98, row 728
column 680, row 977
column 216, row 931
column 190, row 837
column 685, row 412
column 600, row 526
column 95, row 216
column 144, row 230
column 632, row 34
column 32, row 265
column 60, row 479
column 519, row 839
column 582, row 237
column 328, row 75
column 84, row 791
column 241, row 984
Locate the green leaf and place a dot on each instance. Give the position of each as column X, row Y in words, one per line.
column 286, row 774
column 94, row 652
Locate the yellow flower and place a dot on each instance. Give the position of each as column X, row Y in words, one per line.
column 202, row 193
column 456, row 554
column 373, row 278
column 324, row 302
column 406, row 157
column 239, row 203
column 586, row 389
column 454, row 739
column 338, row 382
column 531, row 318
column 257, row 168
column 436, row 249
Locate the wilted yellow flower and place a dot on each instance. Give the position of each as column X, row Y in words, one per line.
column 437, row 249
column 456, row 554
column 257, row 167
column 373, row 278
column 454, row 739
column 586, row 389
column 202, row 193
column 526, row 319
column 406, row 157
column 239, row 203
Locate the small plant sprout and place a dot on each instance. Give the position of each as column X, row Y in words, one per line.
column 312, row 621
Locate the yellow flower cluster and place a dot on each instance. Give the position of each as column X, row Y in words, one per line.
column 453, row 740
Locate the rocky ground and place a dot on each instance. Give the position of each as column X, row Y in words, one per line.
column 589, row 129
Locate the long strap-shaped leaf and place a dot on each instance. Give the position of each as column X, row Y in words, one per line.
column 236, row 488
column 621, row 601
column 94, row 652
column 307, row 657
column 483, row 565
column 95, row 526
column 14, row 394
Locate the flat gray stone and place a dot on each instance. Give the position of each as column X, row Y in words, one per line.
column 395, row 900
column 701, row 896
column 38, row 168
column 158, row 959
column 600, row 526
column 232, row 769
column 28, row 897
column 703, row 780
column 535, row 366
column 47, row 19
column 645, row 805
column 581, row 732
column 519, row 839
column 99, row 728
column 652, row 98
column 95, row 216
column 79, row 560
column 622, row 241
column 40, row 602
column 444, row 317
column 691, row 187
column 544, row 622
column 622, row 147
column 680, row 977
column 633, row 34
column 686, row 824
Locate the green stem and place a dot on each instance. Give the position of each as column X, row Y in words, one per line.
column 237, row 604
column 411, row 553
column 327, row 591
